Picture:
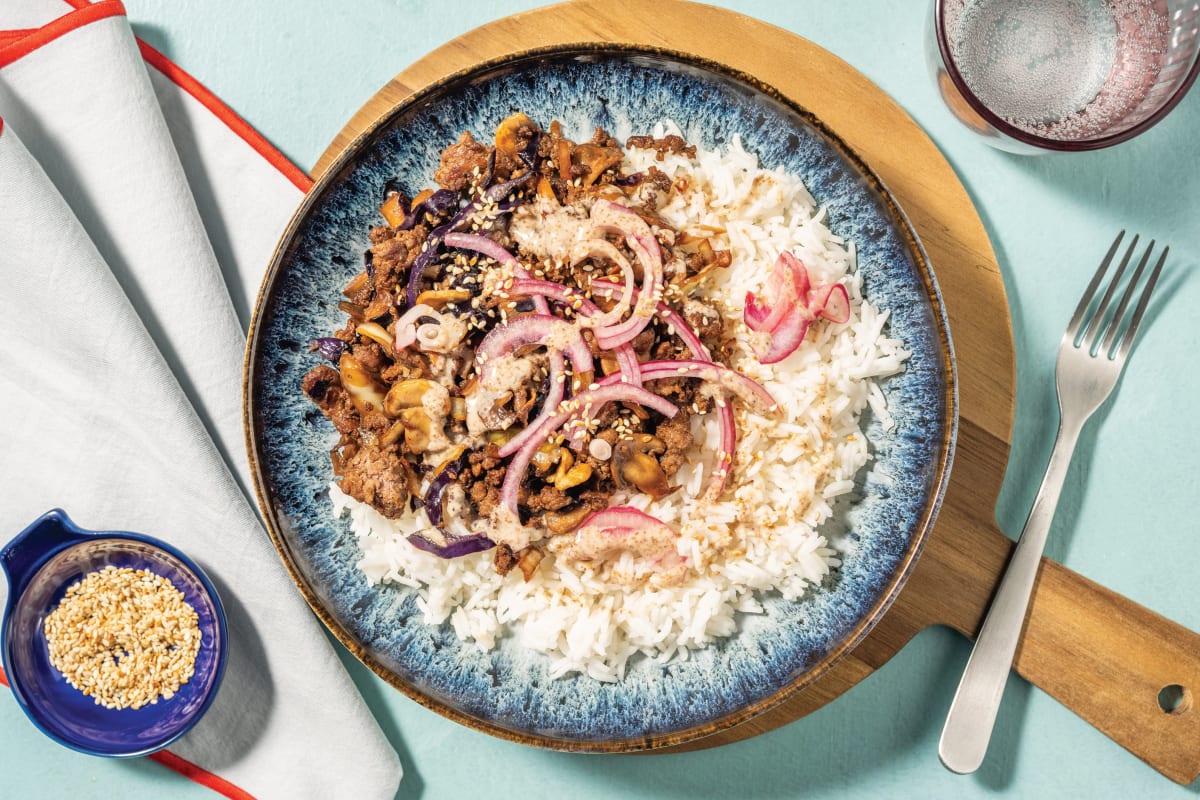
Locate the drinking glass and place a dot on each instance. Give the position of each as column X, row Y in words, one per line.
column 1037, row 75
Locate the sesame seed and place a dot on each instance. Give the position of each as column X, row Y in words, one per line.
column 125, row 638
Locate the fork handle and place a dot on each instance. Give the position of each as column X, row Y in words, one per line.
column 972, row 714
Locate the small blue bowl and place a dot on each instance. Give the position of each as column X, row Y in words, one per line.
column 41, row 563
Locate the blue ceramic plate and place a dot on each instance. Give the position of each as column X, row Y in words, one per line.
column 507, row 692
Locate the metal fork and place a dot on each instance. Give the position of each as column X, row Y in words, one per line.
column 1090, row 360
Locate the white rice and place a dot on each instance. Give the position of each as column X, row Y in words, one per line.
column 764, row 534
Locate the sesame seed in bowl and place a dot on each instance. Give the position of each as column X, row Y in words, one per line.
column 114, row 643
column 124, row 637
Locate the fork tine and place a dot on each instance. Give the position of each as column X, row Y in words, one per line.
column 1097, row 323
column 1090, row 292
column 1131, row 331
column 1114, row 324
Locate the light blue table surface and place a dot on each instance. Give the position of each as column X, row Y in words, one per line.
column 298, row 70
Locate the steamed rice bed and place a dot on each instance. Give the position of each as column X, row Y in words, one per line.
column 790, row 471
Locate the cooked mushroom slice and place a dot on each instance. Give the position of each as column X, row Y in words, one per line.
column 365, row 392
column 376, row 332
column 528, row 560
column 437, row 299
column 411, row 393
column 501, row 438
column 565, row 521
column 513, row 132
column 545, row 457
column 634, row 464
column 596, row 158
column 357, row 284
column 570, row 474
column 500, row 416
column 417, row 428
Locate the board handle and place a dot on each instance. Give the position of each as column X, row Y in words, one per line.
column 1132, row 673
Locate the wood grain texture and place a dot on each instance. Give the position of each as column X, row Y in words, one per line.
column 1098, row 653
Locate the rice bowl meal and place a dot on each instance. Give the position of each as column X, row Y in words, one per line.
column 601, row 397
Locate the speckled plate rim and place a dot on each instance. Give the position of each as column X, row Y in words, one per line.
column 905, row 564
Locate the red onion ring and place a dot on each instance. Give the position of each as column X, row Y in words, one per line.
column 728, row 426
column 650, row 257
column 833, row 301
column 558, row 382
column 672, row 317
column 586, row 402
column 787, row 284
column 618, row 523
column 796, row 305
column 626, row 357
column 482, row 245
column 592, row 248
column 735, row 382
column 610, row 217
column 540, row 329
column 406, row 326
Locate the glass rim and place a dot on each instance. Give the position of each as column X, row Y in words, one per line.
column 1020, row 134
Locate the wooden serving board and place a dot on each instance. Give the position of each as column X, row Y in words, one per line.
column 1098, row 653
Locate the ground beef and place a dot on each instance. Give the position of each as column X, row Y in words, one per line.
column 380, row 477
column 680, row 391
column 392, row 256
column 508, row 162
column 323, row 385
column 459, row 161
column 504, row 559
column 659, row 179
column 370, row 354
column 601, row 138
column 376, row 423
column 676, row 434
column 668, row 144
column 547, row 498
column 644, row 341
column 672, row 348
column 485, row 496
column 482, row 479
column 595, row 499
column 406, row 364
column 705, row 320
column 608, row 416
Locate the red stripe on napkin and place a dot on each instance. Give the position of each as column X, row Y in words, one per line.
column 184, row 767
column 227, row 115
column 8, row 37
column 63, row 25
column 201, row 776
column 222, row 112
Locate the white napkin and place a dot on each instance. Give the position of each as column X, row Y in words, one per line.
column 120, row 391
